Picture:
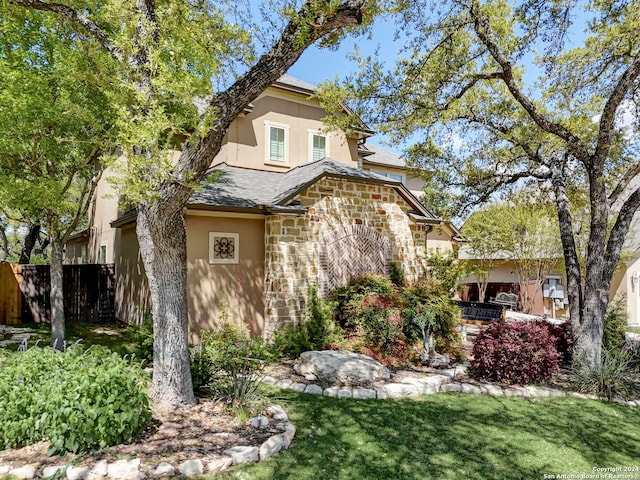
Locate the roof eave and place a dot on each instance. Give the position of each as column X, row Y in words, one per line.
column 381, row 164
column 125, row 219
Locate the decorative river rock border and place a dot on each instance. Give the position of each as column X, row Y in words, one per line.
column 445, row 380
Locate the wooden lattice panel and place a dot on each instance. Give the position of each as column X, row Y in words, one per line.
column 351, row 251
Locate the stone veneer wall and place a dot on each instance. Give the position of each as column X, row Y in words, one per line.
column 293, row 243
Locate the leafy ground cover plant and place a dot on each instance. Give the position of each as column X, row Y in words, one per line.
column 521, row 353
column 78, row 400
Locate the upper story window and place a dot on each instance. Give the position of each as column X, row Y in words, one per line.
column 277, row 143
column 318, row 146
column 394, row 176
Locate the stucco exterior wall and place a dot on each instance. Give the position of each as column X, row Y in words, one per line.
column 439, row 240
column 76, row 251
column 633, row 292
column 294, row 243
column 232, row 289
column 626, row 291
column 246, row 138
column 414, row 184
column 132, row 298
column 103, row 211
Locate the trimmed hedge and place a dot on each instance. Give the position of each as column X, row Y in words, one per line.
column 78, row 400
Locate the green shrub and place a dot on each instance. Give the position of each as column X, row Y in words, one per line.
column 228, row 364
column 615, row 326
column 445, row 270
column 396, row 275
column 317, row 332
column 77, row 400
column 428, row 295
column 610, row 379
column 142, row 336
column 350, row 297
column 381, row 316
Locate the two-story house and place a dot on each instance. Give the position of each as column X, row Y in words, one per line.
column 295, row 205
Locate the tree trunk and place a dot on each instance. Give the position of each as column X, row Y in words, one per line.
column 482, row 280
column 4, row 241
column 57, row 298
column 162, row 239
column 29, row 242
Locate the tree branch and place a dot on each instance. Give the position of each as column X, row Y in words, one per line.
column 469, row 85
column 632, row 172
column 613, row 102
column 483, row 29
column 619, row 232
column 75, row 17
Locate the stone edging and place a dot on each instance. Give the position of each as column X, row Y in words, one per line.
column 130, row 469
column 444, row 381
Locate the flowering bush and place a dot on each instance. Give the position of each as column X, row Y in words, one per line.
column 520, row 353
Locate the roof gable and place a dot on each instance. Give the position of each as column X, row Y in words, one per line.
column 246, row 189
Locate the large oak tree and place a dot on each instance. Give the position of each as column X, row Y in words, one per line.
column 170, row 58
column 494, row 94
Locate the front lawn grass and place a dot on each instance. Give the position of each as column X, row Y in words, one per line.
column 115, row 336
column 450, row 436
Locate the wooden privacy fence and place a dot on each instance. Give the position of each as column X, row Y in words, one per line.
column 88, row 290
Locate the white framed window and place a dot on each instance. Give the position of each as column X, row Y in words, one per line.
column 224, row 247
column 277, row 143
column 393, row 176
column 103, row 253
column 318, row 145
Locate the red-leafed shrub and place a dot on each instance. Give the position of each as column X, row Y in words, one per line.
column 562, row 334
column 519, row 353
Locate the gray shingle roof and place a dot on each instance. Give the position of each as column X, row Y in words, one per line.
column 305, row 175
column 381, row 156
column 237, row 187
column 244, row 188
column 289, row 81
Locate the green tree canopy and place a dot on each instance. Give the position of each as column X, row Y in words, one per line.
column 500, row 94
column 56, row 131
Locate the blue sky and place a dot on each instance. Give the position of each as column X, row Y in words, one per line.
column 319, row 64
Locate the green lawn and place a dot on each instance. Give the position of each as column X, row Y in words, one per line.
column 450, row 436
column 633, row 329
column 115, row 336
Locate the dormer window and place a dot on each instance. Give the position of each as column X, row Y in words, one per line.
column 318, row 146
column 277, row 143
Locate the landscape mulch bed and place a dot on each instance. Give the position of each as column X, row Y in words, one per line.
column 202, row 431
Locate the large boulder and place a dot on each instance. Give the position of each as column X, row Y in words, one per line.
column 339, row 367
